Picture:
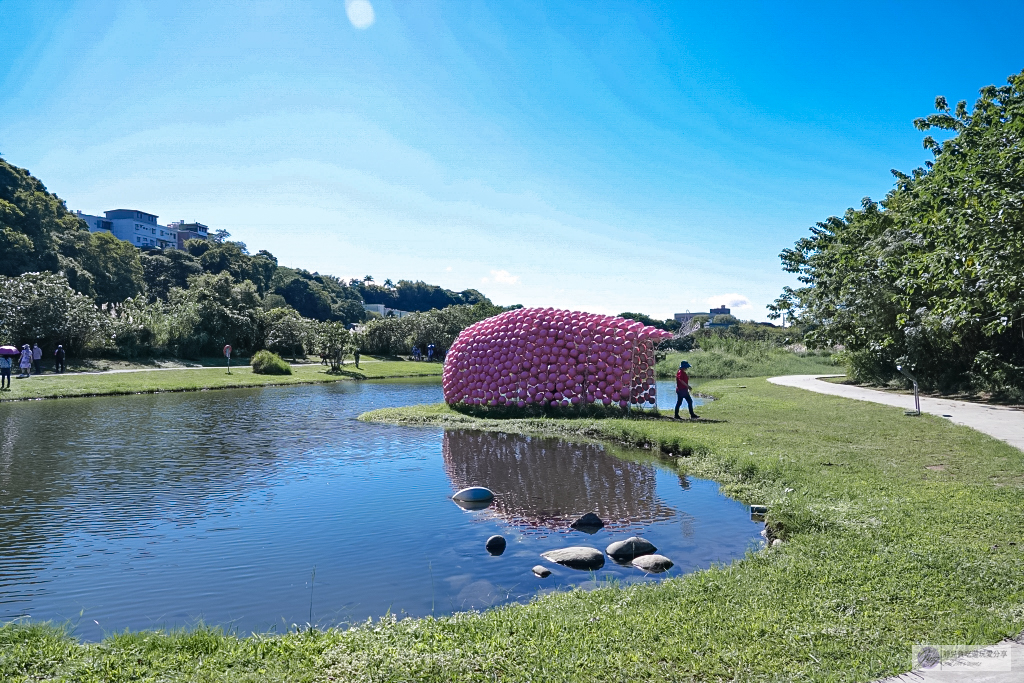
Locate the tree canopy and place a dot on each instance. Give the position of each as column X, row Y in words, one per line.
column 415, row 296
column 930, row 277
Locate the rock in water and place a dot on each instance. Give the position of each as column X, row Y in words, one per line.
column 654, row 564
column 495, row 545
column 474, row 504
column 588, row 523
column 576, row 557
column 473, row 494
column 541, row 571
column 630, row 548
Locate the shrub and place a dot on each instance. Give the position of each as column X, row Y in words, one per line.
column 269, row 363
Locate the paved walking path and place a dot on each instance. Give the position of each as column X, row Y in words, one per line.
column 1005, row 424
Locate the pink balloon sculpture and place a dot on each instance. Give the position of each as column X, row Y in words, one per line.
column 552, row 357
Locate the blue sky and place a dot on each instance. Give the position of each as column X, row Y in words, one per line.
column 643, row 156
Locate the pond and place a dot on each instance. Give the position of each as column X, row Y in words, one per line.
column 258, row 509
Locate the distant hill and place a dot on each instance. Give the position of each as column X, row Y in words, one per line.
column 38, row 233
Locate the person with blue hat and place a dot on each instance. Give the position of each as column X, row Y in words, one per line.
column 683, row 390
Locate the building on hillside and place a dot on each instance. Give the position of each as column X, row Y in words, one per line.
column 95, row 223
column 139, row 228
column 385, row 312
column 142, row 229
column 189, row 231
column 721, row 310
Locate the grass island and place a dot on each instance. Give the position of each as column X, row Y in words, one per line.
column 148, row 380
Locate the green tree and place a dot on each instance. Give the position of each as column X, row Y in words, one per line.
column 286, row 332
column 212, row 311
column 43, row 307
column 415, row 296
column 114, row 266
column 932, row 277
column 321, row 297
column 165, row 270
column 233, row 258
column 30, row 220
column 386, row 336
column 332, row 341
column 308, row 298
column 440, row 327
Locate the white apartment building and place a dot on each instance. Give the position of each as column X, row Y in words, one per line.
column 95, row 223
column 136, row 227
column 141, row 229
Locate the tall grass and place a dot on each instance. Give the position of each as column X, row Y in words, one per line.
column 739, row 358
column 749, row 350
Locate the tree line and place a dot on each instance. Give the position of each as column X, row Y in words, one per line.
column 931, row 278
column 96, row 294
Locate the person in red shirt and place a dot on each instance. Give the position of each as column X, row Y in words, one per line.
column 683, row 390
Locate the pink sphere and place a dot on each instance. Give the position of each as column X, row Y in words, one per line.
column 555, row 356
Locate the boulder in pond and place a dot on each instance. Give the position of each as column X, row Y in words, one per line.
column 655, row 564
column 588, row 523
column 473, row 494
column 474, row 505
column 576, row 557
column 634, row 546
column 495, row 545
column 541, row 571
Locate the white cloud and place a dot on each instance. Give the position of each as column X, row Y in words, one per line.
column 501, row 277
column 729, row 301
column 360, row 13
column 448, row 269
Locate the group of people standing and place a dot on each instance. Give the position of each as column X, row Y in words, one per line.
column 417, row 354
column 29, row 359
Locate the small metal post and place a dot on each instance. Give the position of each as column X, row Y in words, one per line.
column 917, row 400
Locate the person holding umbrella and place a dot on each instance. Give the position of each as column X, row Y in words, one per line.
column 26, row 361
column 7, row 353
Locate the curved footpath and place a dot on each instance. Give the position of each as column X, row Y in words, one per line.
column 1005, row 424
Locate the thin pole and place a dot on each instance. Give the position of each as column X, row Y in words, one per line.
column 917, row 400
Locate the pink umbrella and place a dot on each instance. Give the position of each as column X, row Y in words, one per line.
column 9, row 351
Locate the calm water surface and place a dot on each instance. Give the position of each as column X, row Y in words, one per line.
column 160, row 511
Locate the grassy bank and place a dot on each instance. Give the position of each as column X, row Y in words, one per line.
column 748, row 360
column 897, row 531
column 150, row 381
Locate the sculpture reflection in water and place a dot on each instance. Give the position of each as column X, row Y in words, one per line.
column 543, row 484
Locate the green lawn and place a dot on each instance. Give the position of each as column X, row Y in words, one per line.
column 753, row 362
column 897, row 531
column 50, row 385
